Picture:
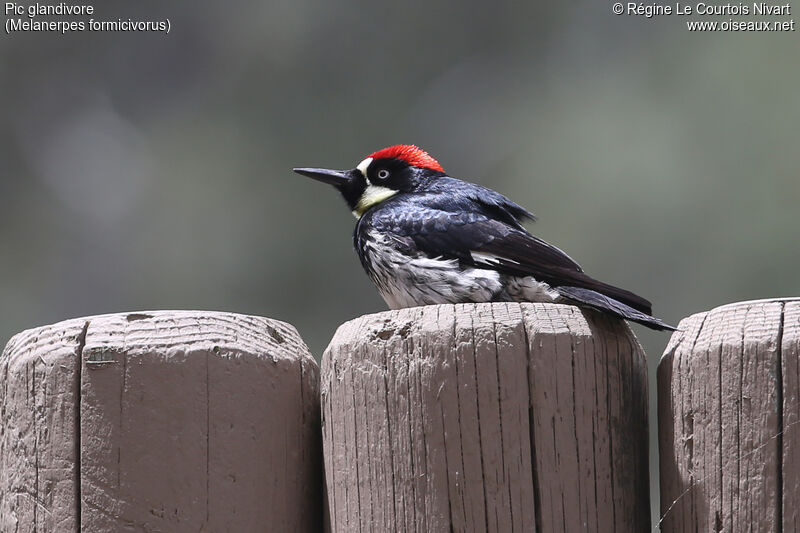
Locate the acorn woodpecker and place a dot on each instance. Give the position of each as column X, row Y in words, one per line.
column 427, row 238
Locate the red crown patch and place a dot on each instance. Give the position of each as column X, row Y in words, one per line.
column 413, row 155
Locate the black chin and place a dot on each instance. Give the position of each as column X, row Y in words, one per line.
column 350, row 183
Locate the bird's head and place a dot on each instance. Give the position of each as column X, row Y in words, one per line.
column 403, row 168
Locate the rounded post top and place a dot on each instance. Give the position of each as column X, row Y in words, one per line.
column 163, row 331
column 730, row 320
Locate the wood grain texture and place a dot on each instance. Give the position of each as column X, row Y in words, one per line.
column 485, row 417
column 39, row 384
column 790, row 421
column 160, row 421
column 728, row 404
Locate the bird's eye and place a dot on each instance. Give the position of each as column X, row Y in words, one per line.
column 383, row 174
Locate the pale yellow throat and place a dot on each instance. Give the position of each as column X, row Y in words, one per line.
column 373, row 195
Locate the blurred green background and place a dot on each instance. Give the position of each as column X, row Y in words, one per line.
column 152, row 171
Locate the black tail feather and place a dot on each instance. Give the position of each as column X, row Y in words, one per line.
column 601, row 302
column 622, row 296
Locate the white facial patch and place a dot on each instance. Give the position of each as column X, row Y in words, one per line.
column 363, row 166
column 372, row 195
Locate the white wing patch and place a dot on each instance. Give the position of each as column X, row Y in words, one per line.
column 490, row 259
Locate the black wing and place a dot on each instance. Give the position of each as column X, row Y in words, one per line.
column 476, row 238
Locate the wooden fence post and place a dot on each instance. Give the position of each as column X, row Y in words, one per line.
column 728, row 389
column 163, row 421
column 488, row 417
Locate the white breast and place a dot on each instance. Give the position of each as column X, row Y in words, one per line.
column 405, row 281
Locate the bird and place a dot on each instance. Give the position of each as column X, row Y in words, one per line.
column 427, row 238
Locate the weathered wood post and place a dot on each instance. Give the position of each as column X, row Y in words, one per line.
column 163, row 421
column 728, row 390
column 488, row 417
